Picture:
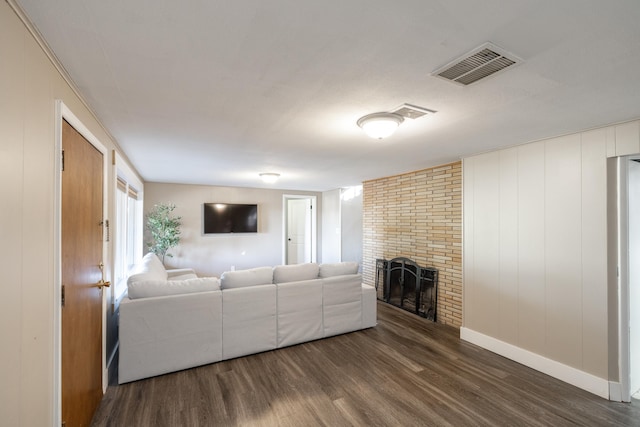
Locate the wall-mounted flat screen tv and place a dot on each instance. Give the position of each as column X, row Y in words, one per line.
column 230, row 218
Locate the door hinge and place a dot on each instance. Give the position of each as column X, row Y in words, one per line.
column 62, row 160
column 62, row 297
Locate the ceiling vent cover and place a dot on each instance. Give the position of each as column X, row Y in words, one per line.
column 409, row 111
column 481, row 62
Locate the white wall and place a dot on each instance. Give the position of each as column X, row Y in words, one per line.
column 212, row 254
column 342, row 225
column 535, row 253
column 351, row 224
column 331, row 231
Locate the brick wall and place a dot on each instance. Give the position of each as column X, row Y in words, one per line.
column 418, row 215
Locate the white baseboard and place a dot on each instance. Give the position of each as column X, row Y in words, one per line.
column 105, row 373
column 568, row 374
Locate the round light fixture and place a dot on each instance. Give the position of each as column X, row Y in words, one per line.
column 380, row 125
column 269, row 177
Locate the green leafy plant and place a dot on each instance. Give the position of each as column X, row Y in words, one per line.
column 164, row 229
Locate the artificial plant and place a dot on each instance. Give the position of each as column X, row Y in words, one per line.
column 164, row 229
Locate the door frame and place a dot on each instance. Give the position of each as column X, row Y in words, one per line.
column 624, row 303
column 62, row 112
column 314, row 224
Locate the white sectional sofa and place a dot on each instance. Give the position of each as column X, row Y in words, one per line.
column 173, row 320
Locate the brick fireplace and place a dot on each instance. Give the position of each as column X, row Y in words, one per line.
column 418, row 215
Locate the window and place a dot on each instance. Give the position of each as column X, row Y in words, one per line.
column 128, row 229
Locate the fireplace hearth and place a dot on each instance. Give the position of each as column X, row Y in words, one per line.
column 405, row 284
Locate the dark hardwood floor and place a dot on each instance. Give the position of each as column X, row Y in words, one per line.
column 406, row 371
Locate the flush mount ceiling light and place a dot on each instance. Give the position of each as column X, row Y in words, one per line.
column 269, row 177
column 380, row 125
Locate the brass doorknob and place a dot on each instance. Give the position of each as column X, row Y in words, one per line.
column 103, row 284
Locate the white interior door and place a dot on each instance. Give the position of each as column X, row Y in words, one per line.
column 299, row 231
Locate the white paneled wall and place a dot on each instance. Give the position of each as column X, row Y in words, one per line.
column 508, row 243
column 30, row 85
column 530, row 286
column 562, row 254
column 594, row 250
column 627, row 138
column 535, row 260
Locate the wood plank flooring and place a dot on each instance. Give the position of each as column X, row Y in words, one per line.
column 406, row 371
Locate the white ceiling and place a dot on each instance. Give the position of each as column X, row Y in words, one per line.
column 215, row 92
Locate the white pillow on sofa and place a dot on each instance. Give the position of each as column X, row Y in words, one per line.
column 157, row 288
column 338, row 269
column 150, row 268
column 244, row 278
column 295, row 272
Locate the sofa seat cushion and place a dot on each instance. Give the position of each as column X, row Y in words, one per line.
column 184, row 276
column 338, row 269
column 181, row 274
column 243, row 278
column 156, row 288
column 149, row 268
column 295, row 272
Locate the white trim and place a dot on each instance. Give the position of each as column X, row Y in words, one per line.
column 124, row 171
column 63, row 112
column 623, row 277
column 57, row 263
column 121, row 169
column 568, row 374
column 615, row 391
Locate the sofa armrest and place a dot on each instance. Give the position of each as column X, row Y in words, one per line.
column 369, row 306
column 169, row 333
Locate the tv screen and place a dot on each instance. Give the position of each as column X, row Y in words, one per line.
column 230, row 218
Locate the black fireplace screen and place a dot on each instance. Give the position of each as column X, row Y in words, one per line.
column 403, row 283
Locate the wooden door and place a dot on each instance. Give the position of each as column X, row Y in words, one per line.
column 81, row 239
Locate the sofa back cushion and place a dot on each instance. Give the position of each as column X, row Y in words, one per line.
column 243, row 278
column 157, row 288
column 295, row 272
column 338, row 269
column 150, row 268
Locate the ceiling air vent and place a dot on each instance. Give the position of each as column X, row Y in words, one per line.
column 409, row 111
column 481, row 62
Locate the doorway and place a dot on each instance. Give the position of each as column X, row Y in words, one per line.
column 629, row 276
column 79, row 310
column 299, row 229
